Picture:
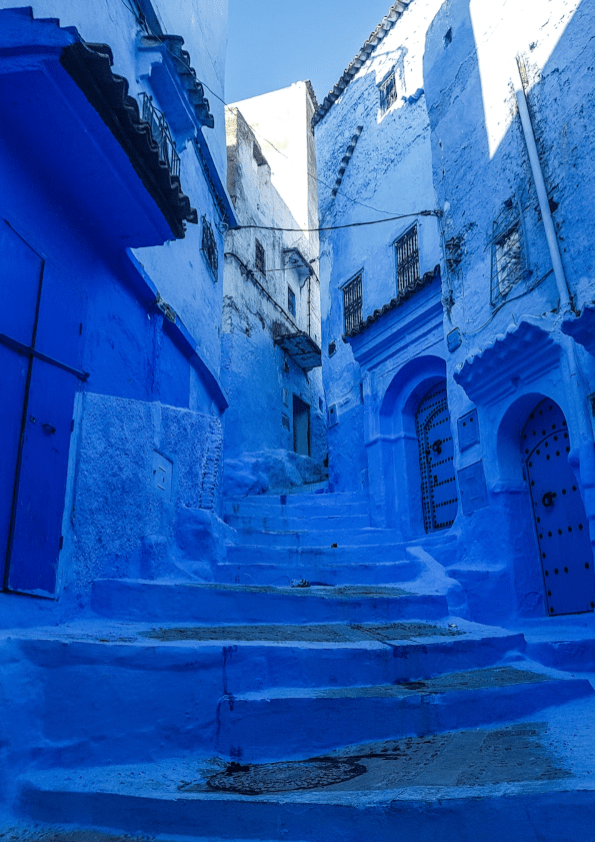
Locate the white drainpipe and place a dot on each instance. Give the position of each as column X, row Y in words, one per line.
column 544, row 205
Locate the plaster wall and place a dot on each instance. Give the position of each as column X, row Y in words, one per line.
column 191, row 290
column 279, row 120
column 388, row 175
column 151, row 390
column 477, row 139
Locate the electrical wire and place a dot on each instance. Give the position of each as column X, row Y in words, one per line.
column 437, row 213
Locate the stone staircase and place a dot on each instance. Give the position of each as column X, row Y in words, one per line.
column 352, row 705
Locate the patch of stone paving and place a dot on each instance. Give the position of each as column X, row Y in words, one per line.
column 509, row 755
column 319, row 633
column 481, row 679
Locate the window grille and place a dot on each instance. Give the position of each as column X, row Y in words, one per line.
column 291, row 301
column 508, row 254
column 352, row 303
column 209, row 247
column 161, row 134
column 388, row 92
column 508, row 259
column 260, row 258
column 407, row 249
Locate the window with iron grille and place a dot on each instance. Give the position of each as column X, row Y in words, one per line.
column 209, row 247
column 508, row 253
column 388, row 92
column 260, row 258
column 291, row 301
column 161, row 133
column 407, row 249
column 352, row 303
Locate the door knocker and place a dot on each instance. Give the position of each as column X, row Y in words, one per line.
column 548, row 498
column 437, row 447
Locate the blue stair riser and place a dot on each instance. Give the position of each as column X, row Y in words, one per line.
column 283, row 556
column 337, row 574
column 297, row 727
column 106, row 703
column 344, row 537
column 544, row 816
column 154, row 602
column 297, row 524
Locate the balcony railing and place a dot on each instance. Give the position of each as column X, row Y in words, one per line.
column 161, row 134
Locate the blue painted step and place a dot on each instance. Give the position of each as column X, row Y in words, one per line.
column 342, row 534
column 293, row 723
column 302, row 567
column 213, row 603
column 526, row 782
column 284, row 523
column 133, row 692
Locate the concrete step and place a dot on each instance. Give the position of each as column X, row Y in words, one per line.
column 328, row 555
column 134, row 599
column 379, row 573
column 342, row 534
column 293, row 722
column 137, row 692
column 277, row 523
column 298, row 505
column 525, row 782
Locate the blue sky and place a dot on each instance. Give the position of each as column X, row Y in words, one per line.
column 273, row 43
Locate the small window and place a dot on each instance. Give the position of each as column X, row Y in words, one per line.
column 388, row 92
column 260, row 258
column 508, row 257
column 209, row 247
column 407, row 249
column 352, row 304
column 291, row 301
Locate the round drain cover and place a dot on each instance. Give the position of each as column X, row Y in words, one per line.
column 285, row 777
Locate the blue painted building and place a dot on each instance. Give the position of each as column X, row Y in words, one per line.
column 112, row 212
column 514, row 180
column 461, row 318
column 275, row 428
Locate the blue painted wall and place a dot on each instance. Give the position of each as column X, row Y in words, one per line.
column 68, row 190
column 460, row 149
column 514, row 351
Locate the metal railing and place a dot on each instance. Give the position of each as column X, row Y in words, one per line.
column 352, row 304
column 407, row 261
column 161, row 133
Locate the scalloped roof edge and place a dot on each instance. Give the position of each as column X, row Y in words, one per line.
column 384, row 27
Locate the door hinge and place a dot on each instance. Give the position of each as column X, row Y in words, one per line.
column 72, row 426
column 61, row 541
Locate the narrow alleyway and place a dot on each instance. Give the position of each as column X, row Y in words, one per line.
column 321, row 688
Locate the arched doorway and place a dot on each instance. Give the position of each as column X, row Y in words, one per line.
column 559, row 513
column 436, row 460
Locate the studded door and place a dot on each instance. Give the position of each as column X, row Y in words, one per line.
column 436, row 452
column 559, row 512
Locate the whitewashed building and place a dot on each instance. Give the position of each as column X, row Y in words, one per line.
column 276, row 422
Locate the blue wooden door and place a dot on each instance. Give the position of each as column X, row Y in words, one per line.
column 559, row 513
column 436, row 460
column 40, row 327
